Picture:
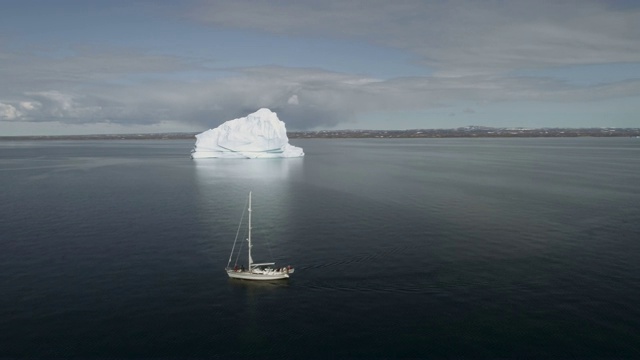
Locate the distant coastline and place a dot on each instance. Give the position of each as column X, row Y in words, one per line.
column 462, row 132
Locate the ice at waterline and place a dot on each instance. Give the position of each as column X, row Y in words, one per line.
column 258, row 135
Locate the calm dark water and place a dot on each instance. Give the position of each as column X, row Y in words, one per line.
column 431, row 248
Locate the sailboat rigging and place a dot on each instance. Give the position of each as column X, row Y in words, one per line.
column 256, row 271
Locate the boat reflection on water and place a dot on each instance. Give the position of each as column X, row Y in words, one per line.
column 266, row 285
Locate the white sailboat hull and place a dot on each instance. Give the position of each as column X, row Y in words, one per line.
column 255, row 271
column 246, row 275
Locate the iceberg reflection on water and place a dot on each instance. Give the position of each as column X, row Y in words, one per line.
column 209, row 170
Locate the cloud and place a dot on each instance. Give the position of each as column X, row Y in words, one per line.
column 9, row 112
column 293, row 100
column 29, row 105
column 84, row 66
column 87, row 85
column 475, row 49
column 458, row 37
column 56, row 105
column 330, row 98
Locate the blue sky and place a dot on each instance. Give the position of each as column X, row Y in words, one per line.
column 90, row 66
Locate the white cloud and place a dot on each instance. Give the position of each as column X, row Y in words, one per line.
column 29, row 105
column 293, row 100
column 9, row 112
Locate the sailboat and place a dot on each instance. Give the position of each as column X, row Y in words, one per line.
column 255, row 271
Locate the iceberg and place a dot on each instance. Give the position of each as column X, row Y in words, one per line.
column 258, row 135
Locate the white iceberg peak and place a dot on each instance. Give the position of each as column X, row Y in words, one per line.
column 258, row 135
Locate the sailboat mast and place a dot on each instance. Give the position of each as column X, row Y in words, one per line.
column 249, row 239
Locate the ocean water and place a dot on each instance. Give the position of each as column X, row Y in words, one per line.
column 404, row 248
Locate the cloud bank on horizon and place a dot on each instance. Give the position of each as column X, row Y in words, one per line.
column 117, row 66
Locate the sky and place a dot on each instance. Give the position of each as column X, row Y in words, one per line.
column 126, row 66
